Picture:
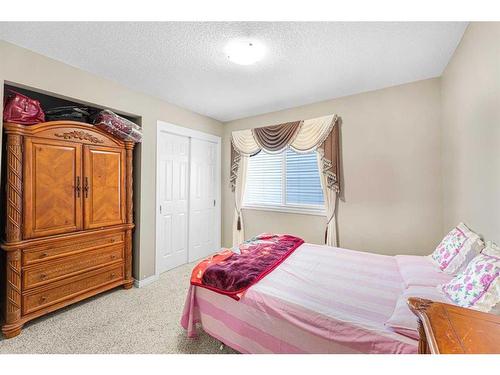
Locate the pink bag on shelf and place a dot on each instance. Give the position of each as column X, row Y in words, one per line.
column 20, row 109
column 118, row 126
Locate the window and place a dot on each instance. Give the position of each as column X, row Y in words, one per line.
column 287, row 181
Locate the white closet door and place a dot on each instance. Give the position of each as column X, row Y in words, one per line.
column 203, row 193
column 173, row 159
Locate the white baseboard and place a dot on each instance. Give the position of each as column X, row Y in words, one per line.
column 146, row 281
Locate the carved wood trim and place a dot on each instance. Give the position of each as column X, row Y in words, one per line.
column 64, row 130
column 13, row 295
column 14, row 188
column 128, row 255
column 129, row 209
column 423, row 347
column 129, row 186
column 419, row 304
column 79, row 134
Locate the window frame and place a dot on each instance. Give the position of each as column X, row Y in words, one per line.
column 307, row 209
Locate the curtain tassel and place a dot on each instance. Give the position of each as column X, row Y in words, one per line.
column 238, row 224
column 326, row 233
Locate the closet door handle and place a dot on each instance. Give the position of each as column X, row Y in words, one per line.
column 78, row 187
column 86, row 187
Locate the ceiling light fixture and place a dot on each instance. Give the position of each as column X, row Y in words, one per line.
column 244, row 52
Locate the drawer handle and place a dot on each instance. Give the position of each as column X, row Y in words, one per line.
column 44, row 255
column 112, row 240
column 113, row 256
column 43, row 299
column 113, row 275
column 43, row 276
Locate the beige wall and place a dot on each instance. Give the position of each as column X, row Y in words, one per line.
column 24, row 67
column 471, row 132
column 391, row 142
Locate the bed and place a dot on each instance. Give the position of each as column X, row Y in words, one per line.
column 320, row 299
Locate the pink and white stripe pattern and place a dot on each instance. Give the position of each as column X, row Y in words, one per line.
column 320, row 300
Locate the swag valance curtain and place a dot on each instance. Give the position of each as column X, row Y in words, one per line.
column 301, row 136
column 319, row 134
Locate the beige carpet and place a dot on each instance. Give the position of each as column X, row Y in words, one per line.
column 144, row 320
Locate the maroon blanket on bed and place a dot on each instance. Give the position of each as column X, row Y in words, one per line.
column 231, row 273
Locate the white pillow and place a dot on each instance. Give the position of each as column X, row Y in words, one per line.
column 457, row 249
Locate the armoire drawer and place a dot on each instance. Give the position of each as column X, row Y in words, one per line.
column 47, row 296
column 68, row 246
column 68, row 266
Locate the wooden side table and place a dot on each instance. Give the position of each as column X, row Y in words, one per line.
column 449, row 329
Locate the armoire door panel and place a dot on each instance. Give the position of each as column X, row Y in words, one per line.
column 52, row 204
column 103, row 186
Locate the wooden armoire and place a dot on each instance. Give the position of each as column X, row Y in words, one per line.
column 67, row 216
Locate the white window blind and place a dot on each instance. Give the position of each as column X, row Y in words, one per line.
column 264, row 179
column 302, row 179
column 287, row 181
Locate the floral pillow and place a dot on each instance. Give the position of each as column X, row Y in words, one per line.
column 478, row 286
column 457, row 249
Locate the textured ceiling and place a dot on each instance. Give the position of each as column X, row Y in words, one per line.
column 184, row 63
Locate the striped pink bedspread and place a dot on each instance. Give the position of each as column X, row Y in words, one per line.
column 319, row 300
